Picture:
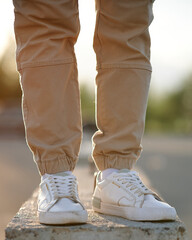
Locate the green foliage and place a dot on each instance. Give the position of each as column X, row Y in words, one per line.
column 9, row 78
column 87, row 104
column 173, row 112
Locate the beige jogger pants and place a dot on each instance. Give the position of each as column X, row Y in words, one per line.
column 46, row 31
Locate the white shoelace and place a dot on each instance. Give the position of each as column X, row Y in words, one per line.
column 131, row 181
column 64, row 186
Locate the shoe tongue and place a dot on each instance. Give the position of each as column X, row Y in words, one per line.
column 125, row 170
column 63, row 174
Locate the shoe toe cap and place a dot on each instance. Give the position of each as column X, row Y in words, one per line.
column 65, row 205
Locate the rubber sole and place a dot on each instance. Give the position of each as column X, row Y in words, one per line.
column 137, row 214
column 63, row 217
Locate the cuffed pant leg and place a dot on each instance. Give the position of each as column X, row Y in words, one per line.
column 46, row 32
column 122, row 47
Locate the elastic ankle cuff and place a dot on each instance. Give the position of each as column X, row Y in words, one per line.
column 113, row 161
column 56, row 165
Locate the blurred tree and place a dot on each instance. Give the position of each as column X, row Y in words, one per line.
column 9, row 78
column 173, row 112
column 87, row 104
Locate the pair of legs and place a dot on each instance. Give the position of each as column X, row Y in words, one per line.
column 46, row 31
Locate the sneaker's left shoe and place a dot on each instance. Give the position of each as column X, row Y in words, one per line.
column 58, row 200
column 123, row 194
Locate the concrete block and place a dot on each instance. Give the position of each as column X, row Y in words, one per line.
column 25, row 226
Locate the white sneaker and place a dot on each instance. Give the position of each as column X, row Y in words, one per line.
column 123, row 194
column 58, row 200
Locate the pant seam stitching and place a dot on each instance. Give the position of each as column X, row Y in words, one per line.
column 124, row 66
column 97, row 28
column 45, row 63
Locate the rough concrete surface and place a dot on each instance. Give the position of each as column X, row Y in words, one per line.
column 25, row 224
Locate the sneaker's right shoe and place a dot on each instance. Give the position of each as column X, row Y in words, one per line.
column 58, row 200
column 123, row 194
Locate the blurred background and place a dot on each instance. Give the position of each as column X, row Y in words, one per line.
column 167, row 143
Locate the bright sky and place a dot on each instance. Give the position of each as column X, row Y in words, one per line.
column 171, row 36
